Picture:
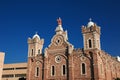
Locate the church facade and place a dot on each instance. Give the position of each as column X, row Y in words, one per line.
column 61, row 61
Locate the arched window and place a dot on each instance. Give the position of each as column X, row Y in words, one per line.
column 83, row 68
column 90, row 43
column 52, row 70
column 63, row 70
column 32, row 53
column 37, row 72
column 39, row 51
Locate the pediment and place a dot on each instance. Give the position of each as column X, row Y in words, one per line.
column 58, row 42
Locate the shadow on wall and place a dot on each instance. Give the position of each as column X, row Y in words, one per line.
column 117, row 79
column 22, row 78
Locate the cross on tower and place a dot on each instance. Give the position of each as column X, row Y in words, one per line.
column 36, row 32
column 59, row 21
column 90, row 19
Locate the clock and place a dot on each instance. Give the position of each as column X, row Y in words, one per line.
column 58, row 59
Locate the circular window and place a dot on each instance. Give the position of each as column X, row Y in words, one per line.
column 83, row 58
column 38, row 62
column 58, row 59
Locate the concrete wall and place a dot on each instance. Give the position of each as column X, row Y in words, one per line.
column 14, row 71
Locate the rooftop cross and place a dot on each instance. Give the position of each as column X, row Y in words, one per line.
column 36, row 32
column 90, row 19
column 59, row 21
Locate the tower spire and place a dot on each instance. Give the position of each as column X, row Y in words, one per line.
column 90, row 23
column 59, row 28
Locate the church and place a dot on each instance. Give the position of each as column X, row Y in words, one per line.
column 61, row 61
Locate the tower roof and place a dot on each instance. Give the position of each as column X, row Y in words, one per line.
column 59, row 27
column 118, row 58
column 90, row 23
column 36, row 35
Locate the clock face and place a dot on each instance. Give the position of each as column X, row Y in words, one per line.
column 58, row 59
column 58, row 40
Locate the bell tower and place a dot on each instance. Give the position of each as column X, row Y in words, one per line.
column 91, row 36
column 35, row 45
column 35, row 58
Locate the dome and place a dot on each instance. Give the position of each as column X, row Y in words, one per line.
column 90, row 23
column 59, row 28
column 36, row 35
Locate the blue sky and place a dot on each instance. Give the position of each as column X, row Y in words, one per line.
column 20, row 19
